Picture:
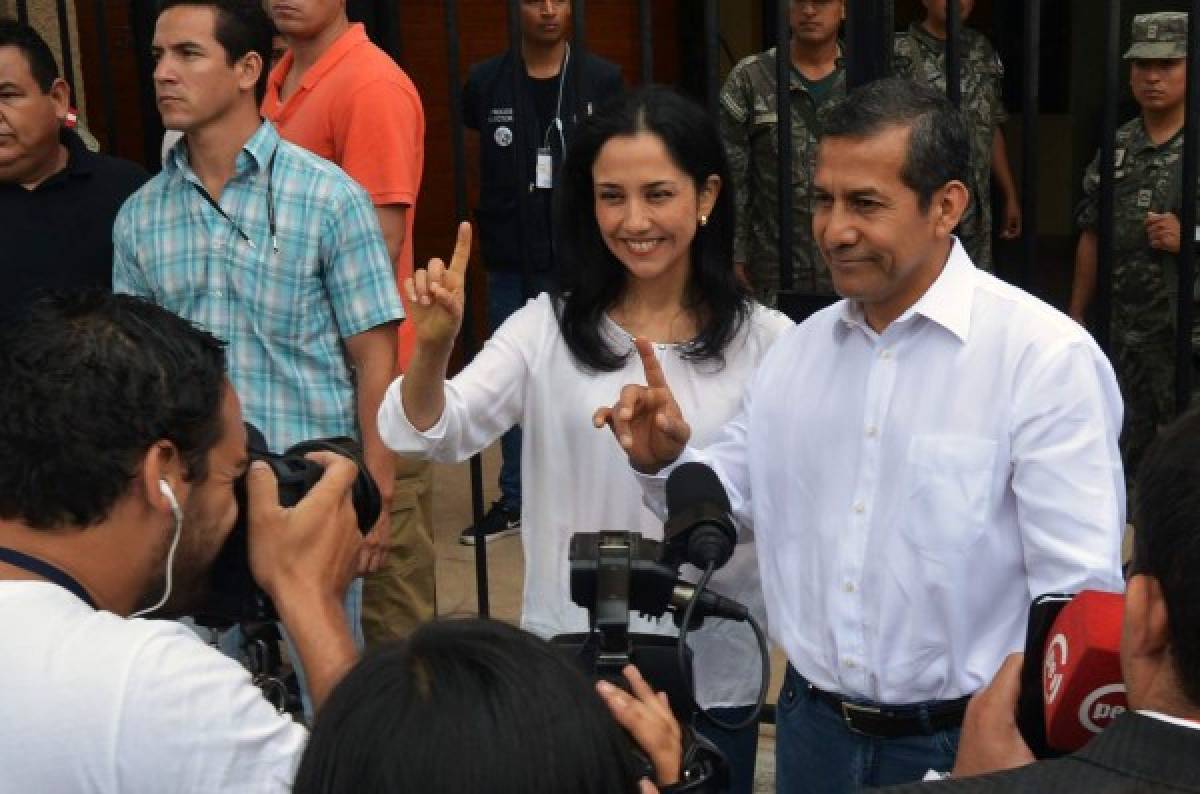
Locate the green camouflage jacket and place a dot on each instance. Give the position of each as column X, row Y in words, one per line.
column 1148, row 177
column 748, row 115
column 921, row 57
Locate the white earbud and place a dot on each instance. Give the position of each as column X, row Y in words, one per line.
column 165, row 489
column 169, row 495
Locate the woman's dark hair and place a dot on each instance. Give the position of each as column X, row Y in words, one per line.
column 465, row 707
column 591, row 279
column 90, row 381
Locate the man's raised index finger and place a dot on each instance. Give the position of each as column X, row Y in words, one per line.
column 462, row 248
column 655, row 378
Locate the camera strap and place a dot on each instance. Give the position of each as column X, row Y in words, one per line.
column 47, row 571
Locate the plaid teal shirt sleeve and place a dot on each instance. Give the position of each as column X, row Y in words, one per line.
column 356, row 269
column 127, row 275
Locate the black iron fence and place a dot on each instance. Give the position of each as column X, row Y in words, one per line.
column 868, row 31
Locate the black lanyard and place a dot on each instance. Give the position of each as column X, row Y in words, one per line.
column 212, row 202
column 47, row 571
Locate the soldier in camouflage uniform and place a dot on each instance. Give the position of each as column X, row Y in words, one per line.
column 1148, row 162
column 920, row 54
column 748, row 116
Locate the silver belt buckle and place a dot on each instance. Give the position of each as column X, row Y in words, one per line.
column 850, row 709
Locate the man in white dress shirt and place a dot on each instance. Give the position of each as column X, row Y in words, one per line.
column 917, row 461
column 1154, row 747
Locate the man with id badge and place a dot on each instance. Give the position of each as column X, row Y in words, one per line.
column 270, row 248
column 522, row 138
column 1148, row 194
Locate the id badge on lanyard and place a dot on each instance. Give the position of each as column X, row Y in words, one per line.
column 543, row 174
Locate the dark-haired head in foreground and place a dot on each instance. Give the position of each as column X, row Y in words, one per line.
column 1160, row 647
column 668, row 136
column 462, row 707
column 104, row 397
column 890, row 187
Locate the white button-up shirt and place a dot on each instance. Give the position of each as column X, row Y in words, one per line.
column 912, row 491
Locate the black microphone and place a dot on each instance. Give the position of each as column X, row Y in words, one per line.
column 699, row 528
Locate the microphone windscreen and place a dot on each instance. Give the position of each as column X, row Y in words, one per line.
column 1081, row 675
column 692, row 484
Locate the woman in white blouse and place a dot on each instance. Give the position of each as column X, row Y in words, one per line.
column 645, row 216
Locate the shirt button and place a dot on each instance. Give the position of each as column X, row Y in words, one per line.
column 859, row 507
column 886, row 354
column 849, row 663
column 848, row 587
column 872, row 431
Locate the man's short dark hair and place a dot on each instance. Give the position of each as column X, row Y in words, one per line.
column 90, row 381
column 37, row 52
column 938, row 147
column 1167, row 539
column 241, row 26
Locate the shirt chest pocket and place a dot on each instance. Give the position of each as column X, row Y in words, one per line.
column 949, row 495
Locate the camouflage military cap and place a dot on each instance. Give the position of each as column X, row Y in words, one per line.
column 1161, row 35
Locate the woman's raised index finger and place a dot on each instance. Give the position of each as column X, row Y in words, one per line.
column 462, row 248
column 655, row 378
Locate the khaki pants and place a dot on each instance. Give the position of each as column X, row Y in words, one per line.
column 403, row 594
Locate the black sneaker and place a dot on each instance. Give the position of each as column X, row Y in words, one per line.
column 497, row 523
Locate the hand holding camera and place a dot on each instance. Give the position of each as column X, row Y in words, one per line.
column 309, row 550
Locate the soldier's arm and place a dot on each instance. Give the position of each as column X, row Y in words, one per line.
column 1084, row 285
column 1008, row 186
column 735, row 116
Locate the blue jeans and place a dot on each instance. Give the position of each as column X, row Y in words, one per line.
column 229, row 642
column 739, row 747
column 506, row 294
column 815, row 751
column 353, row 606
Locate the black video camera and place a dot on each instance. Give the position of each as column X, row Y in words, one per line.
column 612, row 574
column 232, row 595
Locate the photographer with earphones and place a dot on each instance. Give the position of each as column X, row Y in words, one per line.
column 121, row 439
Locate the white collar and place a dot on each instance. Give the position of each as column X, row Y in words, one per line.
column 1180, row 721
column 947, row 302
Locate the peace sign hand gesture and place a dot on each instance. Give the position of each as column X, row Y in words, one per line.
column 435, row 294
column 646, row 420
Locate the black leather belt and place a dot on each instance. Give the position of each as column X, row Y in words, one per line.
column 893, row 722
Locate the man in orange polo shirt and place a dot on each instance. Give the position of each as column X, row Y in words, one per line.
column 341, row 97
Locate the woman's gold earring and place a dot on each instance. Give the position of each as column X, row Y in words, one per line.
column 703, row 220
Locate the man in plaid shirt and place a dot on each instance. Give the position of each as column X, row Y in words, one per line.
column 270, row 248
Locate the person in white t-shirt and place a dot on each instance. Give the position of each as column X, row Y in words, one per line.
column 646, row 220
column 121, row 439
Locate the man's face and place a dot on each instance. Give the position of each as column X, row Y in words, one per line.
column 1159, row 85
column 545, row 22
column 209, row 511
column 815, row 22
column 881, row 248
column 30, row 119
column 194, row 83
column 936, row 10
column 305, row 19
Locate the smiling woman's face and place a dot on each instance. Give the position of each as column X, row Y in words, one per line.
column 647, row 207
